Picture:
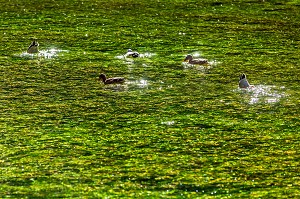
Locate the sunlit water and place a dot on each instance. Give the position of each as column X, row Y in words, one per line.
column 262, row 94
column 142, row 83
column 47, row 54
column 168, row 123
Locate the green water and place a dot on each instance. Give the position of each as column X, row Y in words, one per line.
column 172, row 130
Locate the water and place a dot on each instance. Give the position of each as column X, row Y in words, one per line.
column 64, row 132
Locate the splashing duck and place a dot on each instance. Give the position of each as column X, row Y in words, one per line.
column 33, row 48
column 243, row 83
column 131, row 53
column 190, row 60
column 113, row 80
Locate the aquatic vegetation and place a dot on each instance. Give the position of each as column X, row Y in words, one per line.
column 170, row 131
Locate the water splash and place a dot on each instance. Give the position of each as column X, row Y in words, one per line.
column 262, row 93
column 147, row 55
column 47, row 54
column 168, row 123
column 202, row 68
column 50, row 53
column 196, row 54
column 142, row 83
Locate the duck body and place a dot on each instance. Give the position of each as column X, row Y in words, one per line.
column 243, row 83
column 131, row 53
column 33, row 48
column 114, row 80
column 190, row 60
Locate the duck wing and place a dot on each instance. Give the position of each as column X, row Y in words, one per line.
column 243, row 83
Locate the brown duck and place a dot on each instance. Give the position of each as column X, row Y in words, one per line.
column 113, row 80
column 190, row 60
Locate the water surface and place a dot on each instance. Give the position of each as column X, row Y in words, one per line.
column 172, row 129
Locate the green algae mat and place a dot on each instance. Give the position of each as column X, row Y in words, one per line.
column 173, row 129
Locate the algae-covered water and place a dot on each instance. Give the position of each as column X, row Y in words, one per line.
column 172, row 130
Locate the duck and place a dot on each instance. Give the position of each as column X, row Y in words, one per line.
column 33, row 48
column 243, row 83
column 131, row 53
column 190, row 60
column 113, row 80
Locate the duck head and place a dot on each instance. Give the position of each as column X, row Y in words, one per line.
column 102, row 77
column 188, row 58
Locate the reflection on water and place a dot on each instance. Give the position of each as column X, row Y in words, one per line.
column 262, row 93
column 48, row 54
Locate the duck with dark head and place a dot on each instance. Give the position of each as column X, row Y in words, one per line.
column 243, row 82
column 191, row 60
column 33, row 48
